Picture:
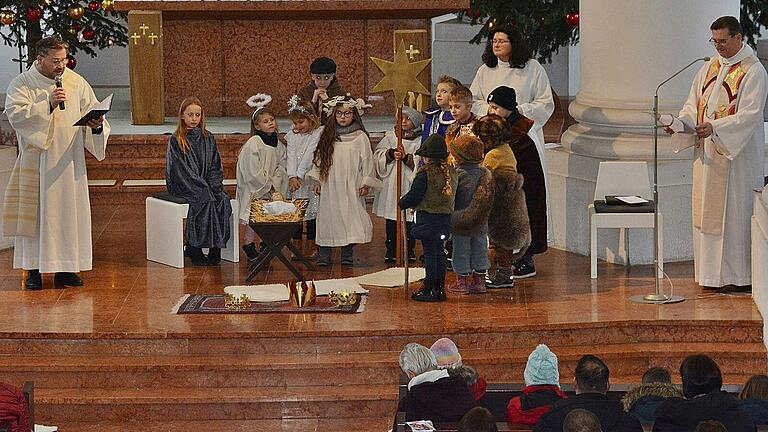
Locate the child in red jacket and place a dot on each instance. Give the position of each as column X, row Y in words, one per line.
column 542, row 388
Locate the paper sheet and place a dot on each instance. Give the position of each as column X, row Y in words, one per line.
column 632, row 199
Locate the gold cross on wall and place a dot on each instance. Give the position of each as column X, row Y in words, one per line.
column 143, row 27
column 152, row 37
column 135, row 36
column 412, row 52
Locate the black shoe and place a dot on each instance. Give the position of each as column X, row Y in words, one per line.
column 424, row 294
column 68, row 279
column 250, row 251
column 214, row 256
column 323, row 257
column 197, row 257
column 347, row 259
column 411, row 256
column 730, row 289
column 501, row 278
column 33, row 280
column 524, row 269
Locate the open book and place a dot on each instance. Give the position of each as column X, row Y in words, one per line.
column 97, row 111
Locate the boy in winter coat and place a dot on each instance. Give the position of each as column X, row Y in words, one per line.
column 542, row 388
column 469, row 221
column 509, row 230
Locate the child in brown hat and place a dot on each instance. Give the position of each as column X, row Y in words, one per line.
column 469, row 221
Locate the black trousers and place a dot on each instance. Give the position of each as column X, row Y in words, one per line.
column 391, row 227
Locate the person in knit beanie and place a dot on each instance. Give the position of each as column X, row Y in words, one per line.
column 541, row 391
column 469, row 221
column 447, row 354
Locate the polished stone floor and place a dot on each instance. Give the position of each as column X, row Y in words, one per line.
column 127, row 295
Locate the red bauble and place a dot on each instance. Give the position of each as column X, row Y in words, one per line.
column 71, row 61
column 34, row 13
column 89, row 34
column 572, row 19
column 472, row 13
column 93, row 6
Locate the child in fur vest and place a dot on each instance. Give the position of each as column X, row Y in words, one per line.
column 469, row 221
column 432, row 193
column 509, row 229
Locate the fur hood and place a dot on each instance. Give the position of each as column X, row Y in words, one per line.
column 472, row 219
column 508, row 224
column 660, row 390
column 468, row 374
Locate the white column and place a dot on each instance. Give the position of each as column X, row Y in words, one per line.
column 626, row 49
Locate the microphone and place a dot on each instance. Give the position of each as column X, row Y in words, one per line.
column 680, row 71
column 58, row 85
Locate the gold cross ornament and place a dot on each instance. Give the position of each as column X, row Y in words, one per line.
column 143, row 27
column 135, row 36
column 152, row 37
column 412, row 52
column 400, row 76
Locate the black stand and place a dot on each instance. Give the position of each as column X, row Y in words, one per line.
column 275, row 236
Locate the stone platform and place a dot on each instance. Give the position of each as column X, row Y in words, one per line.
column 111, row 357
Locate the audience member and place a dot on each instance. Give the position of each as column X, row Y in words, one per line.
column 478, row 419
column 710, row 426
column 704, row 400
column 591, row 385
column 753, row 398
column 432, row 394
column 643, row 400
column 541, row 391
column 581, row 420
column 448, row 358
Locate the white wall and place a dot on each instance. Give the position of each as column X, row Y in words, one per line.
column 109, row 68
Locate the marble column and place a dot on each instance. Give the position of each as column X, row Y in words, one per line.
column 626, row 48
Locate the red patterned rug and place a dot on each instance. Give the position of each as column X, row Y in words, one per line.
column 214, row 304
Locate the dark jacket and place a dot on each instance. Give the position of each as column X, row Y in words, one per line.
column 476, row 384
column 444, row 400
column 529, row 165
column 474, row 197
column 612, row 416
column 682, row 415
column 433, row 209
column 436, row 121
column 533, row 403
column 643, row 400
column 757, row 408
column 305, row 94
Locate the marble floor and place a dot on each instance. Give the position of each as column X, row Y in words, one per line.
column 127, row 295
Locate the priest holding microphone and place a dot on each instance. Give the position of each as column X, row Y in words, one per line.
column 46, row 205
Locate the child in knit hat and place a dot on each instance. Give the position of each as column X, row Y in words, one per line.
column 469, row 221
column 542, row 388
column 432, row 193
column 386, row 157
column 447, row 354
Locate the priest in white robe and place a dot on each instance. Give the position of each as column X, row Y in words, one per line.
column 46, row 206
column 724, row 112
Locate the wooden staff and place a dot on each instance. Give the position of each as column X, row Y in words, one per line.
column 399, row 172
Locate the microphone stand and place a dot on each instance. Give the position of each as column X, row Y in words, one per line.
column 658, row 297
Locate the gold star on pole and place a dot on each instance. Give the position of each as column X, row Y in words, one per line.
column 400, row 76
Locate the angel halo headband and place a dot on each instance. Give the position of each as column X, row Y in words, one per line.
column 258, row 101
column 359, row 104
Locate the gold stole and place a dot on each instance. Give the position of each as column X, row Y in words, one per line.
column 709, row 198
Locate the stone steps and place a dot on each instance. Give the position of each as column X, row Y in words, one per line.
column 61, row 406
column 273, row 425
column 336, row 369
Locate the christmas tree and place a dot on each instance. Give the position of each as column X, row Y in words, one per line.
column 551, row 24
column 84, row 26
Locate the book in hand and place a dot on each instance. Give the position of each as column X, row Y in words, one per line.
column 97, row 111
column 623, row 200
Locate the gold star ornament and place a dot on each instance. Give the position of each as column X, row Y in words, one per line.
column 400, row 76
